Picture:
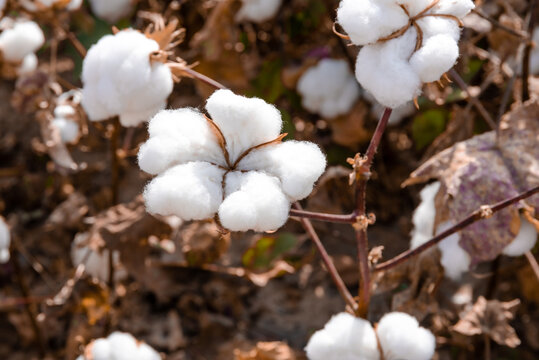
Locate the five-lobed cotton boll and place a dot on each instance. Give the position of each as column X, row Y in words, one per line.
column 329, row 88
column 120, row 80
column 258, row 11
column 111, row 11
column 5, row 241
column 119, row 346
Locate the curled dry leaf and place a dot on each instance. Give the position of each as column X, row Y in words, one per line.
column 266, row 351
column 53, row 142
column 69, row 214
column 484, row 170
column 490, row 318
column 349, row 130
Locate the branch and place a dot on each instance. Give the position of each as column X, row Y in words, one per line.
column 334, row 218
column 203, row 78
column 482, row 213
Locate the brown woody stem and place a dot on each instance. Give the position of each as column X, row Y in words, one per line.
column 203, row 78
column 334, row 218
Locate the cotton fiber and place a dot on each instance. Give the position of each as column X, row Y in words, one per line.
column 258, row 11
column 64, row 120
column 233, row 165
column 424, row 215
column 120, row 80
column 524, row 241
column 396, row 58
column 455, row 259
column 111, row 10
column 19, row 38
column 119, row 346
column 329, row 88
column 5, row 241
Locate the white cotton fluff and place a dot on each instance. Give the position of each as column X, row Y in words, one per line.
column 28, row 65
column 65, row 123
column 344, row 337
column 329, row 88
column 119, row 79
column 5, row 241
column 534, row 57
column 119, row 346
column 392, row 70
column 111, row 10
column 96, row 263
column 401, row 338
column 258, row 11
column 455, row 259
column 260, row 177
column 22, row 38
column 524, row 241
column 424, row 215
column 38, row 5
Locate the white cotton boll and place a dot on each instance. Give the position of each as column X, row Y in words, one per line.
column 258, row 10
column 437, row 55
column 69, row 129
column 367, row 21
column 253, row 201
column 111, row 10
column 25, row 37
column 329, row 88
column 458, row 8
column 101, row 349
column 384, row 70
column 344, row 337
column 96, row 263
column 297, row 164
column 244, row 122
column 119, row 79
column 176, row 137
column 534, row 58
column 120, row 346
column 524, row 241
column 455, row 259
column 29, row 65
column 424, row 215
column 191, row 191
column 38, row 5
column 401, row 338
column 5, row 241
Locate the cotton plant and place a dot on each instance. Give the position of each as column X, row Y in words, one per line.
column 405, row 43
column 232, row 165
column 397, row 336
column 119, row 346
column 329, row 88
column 454, row 259
column 5, row 241
column 112, row 11
column 258, row 11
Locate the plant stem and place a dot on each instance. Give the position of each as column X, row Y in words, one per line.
column 339, row 283
column 76, row 44
column 473, row 217
column 497, row 24
column 334, row 218
column 204, row 78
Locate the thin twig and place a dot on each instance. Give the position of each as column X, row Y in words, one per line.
column 473, row 217
column 497, row 24
column 76, row 44
column 114, row 161
column 334, row 218
column 533, row 263
column 203, row 78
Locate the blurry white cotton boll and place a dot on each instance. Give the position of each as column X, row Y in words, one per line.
column 119, row 346
column 258, row 10
column 120, row 80
column 344, row 337
column 28, row 65
column 111, row 10
column 424, row 215
column 64, row 121
column 524, row 241
column 39, row 5
column 329, row 88
column 5, row 241
column 19, row 38
column 234, row 164
column 455, row 259
column 534, row 58
column 401, row 338
column 389, row 65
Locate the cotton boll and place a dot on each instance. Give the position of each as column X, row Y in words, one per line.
column 436, row 56
column 369, row 20
column 534, row 58
column 424, row 215
column 344, row 337
column 401, row 338
column 111, row 11
column 244, row 122
column 258, row 11
column 119, row 346
column 176, row 137
column 5, row 241
column 69, row 129
column 101, row 349
column 25, row 37
column 28, row 66
column 524, row 241
column 38, row 5
column 455, row 259
column 253, row 201
column 190, row 191
column 297, row 164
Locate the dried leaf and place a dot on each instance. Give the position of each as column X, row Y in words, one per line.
column 203, row 243
column 349, row 130
column 266, row 351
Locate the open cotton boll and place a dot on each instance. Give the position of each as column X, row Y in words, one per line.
column 24, row 38
column 96, row 263
column 534, row 58
column 401, row 338
column 436, row 56
column 28, row 65
column 258, row 10
column 344, row 337
column 455, row 259
column 5, row 241
column 524, row 241
column 38, row 5
column 111, row 10
column 120, row 80
column 424, row 215
column 119, row 346
column 329, row 88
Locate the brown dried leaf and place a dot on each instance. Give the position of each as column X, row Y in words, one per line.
column 203, row 243
column 53, row 142
column 349, row 130
column 69, row 214
column 266, row 351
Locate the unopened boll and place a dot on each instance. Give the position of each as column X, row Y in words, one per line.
column 258, row 11
column 5, row 241
column 64, row 121
column 119, row 346
column 19, row 38
column 120, row 80
column 111, row 10
column 329, row 88
column 249, row 186
column 392, row 69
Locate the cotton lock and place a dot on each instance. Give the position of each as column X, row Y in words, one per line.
column 111, row 10
column 5, row 241
column 64, row 121
column 119, row 346
column 258, row 11
column 19, row 39
column 233, row 165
